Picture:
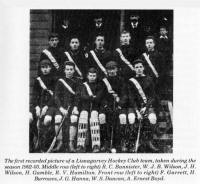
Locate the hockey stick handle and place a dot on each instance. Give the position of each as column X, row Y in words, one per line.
column 138, row 136
column 112, row 127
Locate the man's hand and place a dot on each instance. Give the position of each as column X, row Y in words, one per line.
column 139, row 116
column 117, row 99
column 44, row 110
column 37, row 111
column 50, row 92
column 63, row 111
column 142, row 111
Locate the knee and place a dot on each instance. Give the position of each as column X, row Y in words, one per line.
column 152, row 118
column 83, row 117
column 102, row 118
column 47, row 120
column 131, row 118
column 122, row 119
column 74, row 118
column 58, row 119
column 94, row 116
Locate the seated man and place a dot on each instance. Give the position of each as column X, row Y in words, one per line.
column 43, row 102
column 91, row 95
column 112, row 114
column 67, row 97
column 142, row 102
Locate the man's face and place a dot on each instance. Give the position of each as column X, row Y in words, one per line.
column 46, row 69
column 150, row 44
column 163, row 32
column 98, row 22
column 74, row 44
column 69, row 71
column 53, row 42
column 99, row 42
column 139, row 69
column 134, row 23
column 112, row 72
column 125, row 38
column 92, row 77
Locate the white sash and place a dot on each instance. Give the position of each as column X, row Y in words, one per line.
column 88, row 89
column 124, row 59
column 151, row 65
column 109, row 87
column 169, row 103
column 52, row 59
column 98, row 62
column 139, row 88
column 67, row 86
column 43, row 86
column 76, row 67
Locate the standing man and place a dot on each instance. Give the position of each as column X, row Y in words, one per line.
column 164, row 45
column 124, row 55
column 55, row 55
column 154, row 63
column 136, row 32
column 99, row 56
column 65, row 31
column 76, row 55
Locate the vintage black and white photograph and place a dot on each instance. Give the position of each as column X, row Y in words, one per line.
column 101, row 81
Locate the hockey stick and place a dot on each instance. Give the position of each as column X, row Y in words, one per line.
column 87, row 139
column 138, row 136
column 36, row 147
column 112, row 128
column 55, row 137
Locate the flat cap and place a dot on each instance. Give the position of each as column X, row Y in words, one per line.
column 137, row 61
column 111, row 64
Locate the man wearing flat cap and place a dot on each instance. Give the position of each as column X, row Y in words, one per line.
column 112, row 114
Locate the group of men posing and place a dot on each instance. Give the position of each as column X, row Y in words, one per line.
column 95, row 101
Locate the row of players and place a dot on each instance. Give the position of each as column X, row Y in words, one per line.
column 109, row 106
column 99, row 56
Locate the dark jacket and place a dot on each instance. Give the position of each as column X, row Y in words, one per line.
column 64, row 98
column 135, row 99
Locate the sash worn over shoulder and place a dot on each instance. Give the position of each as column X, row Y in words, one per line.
column 151, row 65
column 98, row 62
column 76, row 67
column 88, row 89
column 139, row 88
column 67, row 86
column 109, row 87
column 52, row 59
column 124, row 59
column 43, row 86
